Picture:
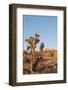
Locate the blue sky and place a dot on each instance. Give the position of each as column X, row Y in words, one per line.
column 46, row 26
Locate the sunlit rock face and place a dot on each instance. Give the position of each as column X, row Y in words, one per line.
column 49, row 53
column 48, row 61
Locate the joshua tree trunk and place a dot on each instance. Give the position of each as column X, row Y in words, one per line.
column 33, row 56
column 33, row 59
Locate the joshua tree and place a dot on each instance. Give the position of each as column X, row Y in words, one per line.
column 32, row 42
column 41, row 46
column 36, row 38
